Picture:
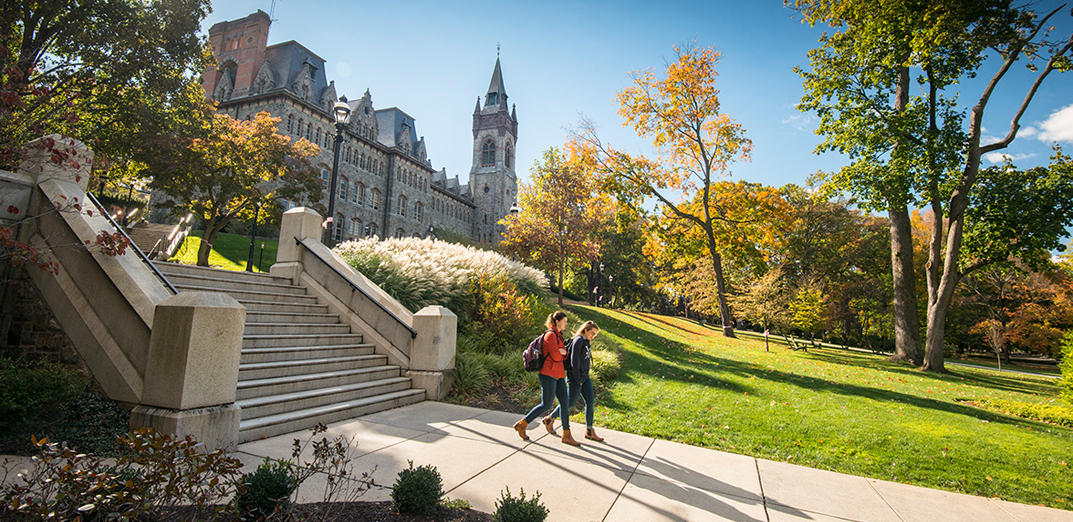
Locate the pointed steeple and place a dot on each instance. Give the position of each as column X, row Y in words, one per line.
column 477, row 109
column 497, row 93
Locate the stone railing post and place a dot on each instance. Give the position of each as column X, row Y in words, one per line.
column 192, row 370
column 432, row 358
column 300, row 222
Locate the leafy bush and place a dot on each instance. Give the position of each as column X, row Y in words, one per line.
column 1053, row 414
column 1066, row 382
column 417, row 490
column 471, row 375
column 511, row 509
column 92, row 424
column 156, row 474
column 606, row 359
column 35, row 392
column 500, row 311
column 267, row 491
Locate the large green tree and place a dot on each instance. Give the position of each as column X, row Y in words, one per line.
column 233, row 167
column 108, row 72
column 910, row 149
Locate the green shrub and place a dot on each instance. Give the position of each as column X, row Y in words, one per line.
column 1060, row 415
column 92, row 424
column 457, row 503
column 1066, row 382
column 267, row 491
column 511, row 509
column 471, row 375
column 417, row 491
column 35, row 392
column 605, row 365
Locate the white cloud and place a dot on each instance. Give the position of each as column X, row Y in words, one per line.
column 1027, row 131
column 801, row 122
column 1059, row 126
column 1000, row 157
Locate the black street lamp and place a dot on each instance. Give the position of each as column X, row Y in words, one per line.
column 341, row 111
column 253, row 237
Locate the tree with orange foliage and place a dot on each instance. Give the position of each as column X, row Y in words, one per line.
column 696, row 143
column 559, row 216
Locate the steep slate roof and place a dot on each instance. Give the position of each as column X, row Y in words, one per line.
column 496, row 85
column 287, row 60
column 390, row 122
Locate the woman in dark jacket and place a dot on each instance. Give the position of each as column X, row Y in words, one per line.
column 552, row 377
column 579, row 351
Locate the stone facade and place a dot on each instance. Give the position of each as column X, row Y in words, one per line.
column 31, row 329
column 387, row 186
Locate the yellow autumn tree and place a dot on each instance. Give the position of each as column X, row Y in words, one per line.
column 558, row 218
column 679, row 111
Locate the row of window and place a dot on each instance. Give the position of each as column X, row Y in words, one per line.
column 451, row 210
column 349, row 155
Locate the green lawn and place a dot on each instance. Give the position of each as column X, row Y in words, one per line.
column 832, row 409
column 230, row 252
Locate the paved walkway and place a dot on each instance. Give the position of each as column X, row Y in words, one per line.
column 628, row 477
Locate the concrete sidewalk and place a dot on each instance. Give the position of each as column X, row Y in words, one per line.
column 626, row 478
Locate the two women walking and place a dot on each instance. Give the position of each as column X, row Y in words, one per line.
column 553, row 378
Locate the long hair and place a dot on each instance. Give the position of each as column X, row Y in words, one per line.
column 554, row 318
column 585, row 327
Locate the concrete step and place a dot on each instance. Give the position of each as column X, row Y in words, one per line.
column 282, row 308
column 304, row 400
column 250, row 295
column 285, row 328
column 228, row 285
column 216, row 273
column 260, row 427
column 309, row 381
column 264, row 370
column 297, row 353
column 281, row 340
column 290, row 317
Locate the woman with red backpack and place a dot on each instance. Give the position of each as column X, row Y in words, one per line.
column 552, row 378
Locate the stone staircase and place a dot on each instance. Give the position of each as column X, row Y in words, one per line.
column 146, row 235
column 300, row 365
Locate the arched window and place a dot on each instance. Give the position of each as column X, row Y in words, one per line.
column 309, row 131
column 399, row 233
column 376, row 199
column 290, row 123
column 339, row 226
column 343, row 186
column 318, row 136
column 325, row 175
column 359, row 194
column 488, row 154
column 507, row 156
column 402, row 206
column 356, row 228
column 347, row 154
column 372, row 229
column 419, row 211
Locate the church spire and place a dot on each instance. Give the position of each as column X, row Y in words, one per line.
column 497, row 93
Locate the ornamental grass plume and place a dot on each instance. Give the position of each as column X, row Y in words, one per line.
column 424, row 272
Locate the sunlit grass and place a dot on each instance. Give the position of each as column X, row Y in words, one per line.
column 230, row 252
column 831, row 409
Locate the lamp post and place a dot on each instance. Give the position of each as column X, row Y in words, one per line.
column 253, row 237
column 341, row 111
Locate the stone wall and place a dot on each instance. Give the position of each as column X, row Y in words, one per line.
column 33, row 331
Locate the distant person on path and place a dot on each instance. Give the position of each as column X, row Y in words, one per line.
column 579, row 353
column 552, row 377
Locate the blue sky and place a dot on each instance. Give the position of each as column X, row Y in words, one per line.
column 562, row 60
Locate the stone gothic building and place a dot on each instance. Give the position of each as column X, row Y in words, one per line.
column 387, row 187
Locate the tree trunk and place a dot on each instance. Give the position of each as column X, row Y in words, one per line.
column 560, row 281
column 212, row 229
column 906, row 320
column 721, row 287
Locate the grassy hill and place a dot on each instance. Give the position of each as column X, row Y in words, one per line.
column 833, row 409
column 230, row 252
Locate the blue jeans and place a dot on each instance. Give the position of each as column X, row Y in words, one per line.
column 550, row 389
column 583, row 390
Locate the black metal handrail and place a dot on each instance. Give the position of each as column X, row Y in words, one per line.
column 413, row 333
column 138, row 251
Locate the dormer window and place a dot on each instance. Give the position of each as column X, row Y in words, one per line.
column 493, row 98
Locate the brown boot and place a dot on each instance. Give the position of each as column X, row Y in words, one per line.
column 568, row 439
column 520, row 428
column 549, row 424
column 591, row 435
